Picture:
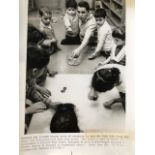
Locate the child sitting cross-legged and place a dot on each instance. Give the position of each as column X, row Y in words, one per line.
column 71, row 22
column 104, row 35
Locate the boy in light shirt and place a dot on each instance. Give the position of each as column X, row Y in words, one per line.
column 105, row 39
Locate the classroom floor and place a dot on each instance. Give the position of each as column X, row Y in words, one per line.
column 91, row 115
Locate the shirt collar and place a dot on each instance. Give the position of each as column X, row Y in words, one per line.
column 44, row 26
column 88, row 18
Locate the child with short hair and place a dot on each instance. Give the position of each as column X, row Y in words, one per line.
column 37, row 97
column 106, row 78
column 118, row 52
column 46, row 27
column 71, row 22
column 36, row 38
column 104, row 35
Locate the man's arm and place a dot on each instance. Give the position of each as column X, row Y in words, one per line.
column 89, row 32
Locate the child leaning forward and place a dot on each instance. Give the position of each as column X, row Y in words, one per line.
column 118, row 54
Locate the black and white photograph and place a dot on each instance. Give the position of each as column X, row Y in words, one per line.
column 75, row 66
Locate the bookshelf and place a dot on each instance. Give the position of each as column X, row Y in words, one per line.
column 115, row 11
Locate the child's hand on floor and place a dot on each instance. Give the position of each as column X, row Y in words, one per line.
column 93, row 56
column 107, row 104
column 36, row 107
column 101, row 64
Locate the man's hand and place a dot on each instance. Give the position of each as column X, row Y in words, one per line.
column 76, row 53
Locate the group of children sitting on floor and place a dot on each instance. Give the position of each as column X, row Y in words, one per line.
column 81, row 26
